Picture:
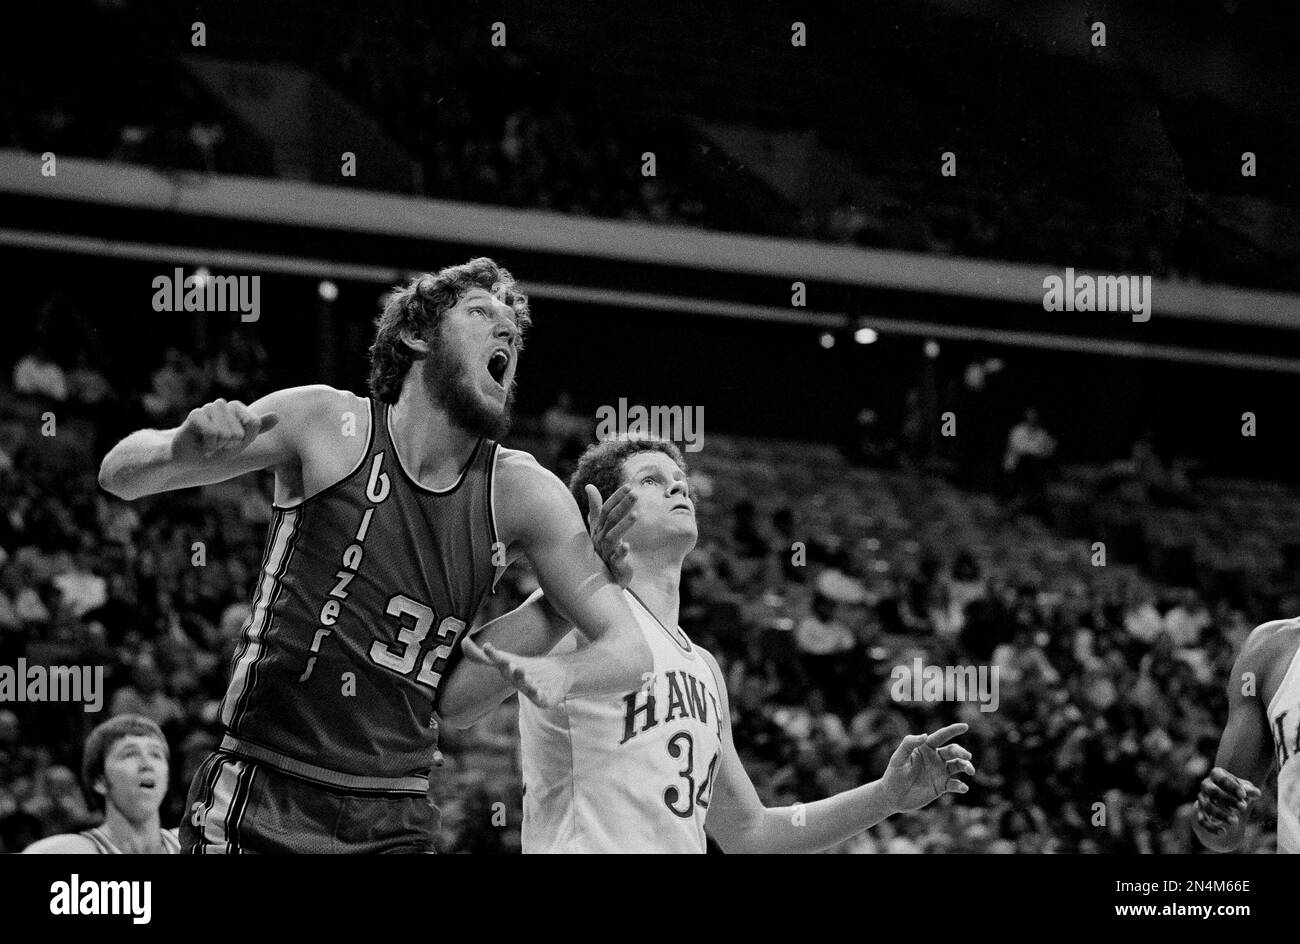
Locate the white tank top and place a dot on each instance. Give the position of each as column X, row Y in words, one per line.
column 631, row 772
column 1284, row 722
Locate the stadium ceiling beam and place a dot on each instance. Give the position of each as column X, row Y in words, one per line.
column 347, row 209
column 619, row 299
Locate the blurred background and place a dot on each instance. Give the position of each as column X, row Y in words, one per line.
column 334, row 152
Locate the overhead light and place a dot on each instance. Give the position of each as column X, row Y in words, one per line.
column 932, row 349
column 328, row 290
column 865, row 335
column 827, row 340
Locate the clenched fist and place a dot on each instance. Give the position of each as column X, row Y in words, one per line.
column 219, row 429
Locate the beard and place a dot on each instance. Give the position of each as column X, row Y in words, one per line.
column 448, row 383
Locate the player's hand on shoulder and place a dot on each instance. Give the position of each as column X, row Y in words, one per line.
column 543, row 680
column 1223, row 799
column 609, row 521
column 925, row 766
column 219, row 429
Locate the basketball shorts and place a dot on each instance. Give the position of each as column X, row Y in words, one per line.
column 238, row 805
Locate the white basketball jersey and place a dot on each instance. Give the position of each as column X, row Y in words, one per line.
column 631, row 772
column 1284, row 722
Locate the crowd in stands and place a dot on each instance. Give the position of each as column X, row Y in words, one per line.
column 817, row 575
column 530, row 132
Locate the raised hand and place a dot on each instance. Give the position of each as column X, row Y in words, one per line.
column 1223, row 799
column 925, row 767
column 219, row 429
column 544, row 680
column 609, row 521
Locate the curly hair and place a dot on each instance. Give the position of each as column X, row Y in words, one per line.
column 602, row 465
column 101, row 741
column 419, row 306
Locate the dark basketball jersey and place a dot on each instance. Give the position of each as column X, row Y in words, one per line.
column 364, row 591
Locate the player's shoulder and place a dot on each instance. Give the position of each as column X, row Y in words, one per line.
column 712, row 663
column 519, row 472
column 1272, row 640
column 65, row 844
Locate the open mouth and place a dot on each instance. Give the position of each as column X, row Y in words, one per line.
column 497, row 365
column 148, row 784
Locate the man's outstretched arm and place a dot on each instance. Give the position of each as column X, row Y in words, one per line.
column 923, row 768
column 475, row 687
column 217, row 441
column 538, row 519
column 1245, row 750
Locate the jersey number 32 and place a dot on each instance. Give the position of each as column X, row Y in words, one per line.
column 401, row 658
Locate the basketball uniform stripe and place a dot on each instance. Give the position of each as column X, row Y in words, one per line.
column 267, row 589
column 216, row 815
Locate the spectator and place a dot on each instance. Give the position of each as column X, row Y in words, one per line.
column 37, row 375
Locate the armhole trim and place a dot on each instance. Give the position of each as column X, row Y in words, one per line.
column 361, row 461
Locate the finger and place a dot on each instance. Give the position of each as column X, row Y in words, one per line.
column 944, row 735
column 615, row 511
column 956, row 786
column 954, row 752
column 502, row 660
column 961, row 767
column 614, row 533
column 227, row 420
column 1216, row 794
column 593, row 506
column 903, row 753
column 1226, row 781
column 474, row 652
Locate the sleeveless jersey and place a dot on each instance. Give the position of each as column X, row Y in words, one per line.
column 105, row 846
column 364, row 591
column 1284, row 722
column 631, row 772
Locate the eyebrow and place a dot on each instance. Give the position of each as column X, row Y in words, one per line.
column 651, row 467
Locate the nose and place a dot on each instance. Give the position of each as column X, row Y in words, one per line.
column 678, row 487
column 506, row 329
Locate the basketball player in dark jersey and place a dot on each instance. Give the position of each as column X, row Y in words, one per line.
column 1262, row 732
column 125, row 770
column 393, row 517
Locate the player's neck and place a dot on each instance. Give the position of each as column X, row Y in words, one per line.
column 142, row 837
column 432, row 447
column 658, row 588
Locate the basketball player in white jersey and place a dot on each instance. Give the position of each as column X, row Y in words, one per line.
column 125, row 770
column 1263, row 727
column 640, row 771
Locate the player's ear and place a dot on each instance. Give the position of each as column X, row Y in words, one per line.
column 414, row 342
column 100, row 786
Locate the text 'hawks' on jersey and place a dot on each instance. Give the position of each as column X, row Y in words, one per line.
column 1284, row 722
column 364, row 591
column 626, row 773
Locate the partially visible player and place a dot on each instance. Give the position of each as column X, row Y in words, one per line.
column 639, row 771
column 1263, row 728
column 125, row 770
column 394, row 515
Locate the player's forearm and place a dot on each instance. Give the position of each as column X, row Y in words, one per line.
column 474, row 690
column 141, row 464
column 619, row 661
column 812, row 827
